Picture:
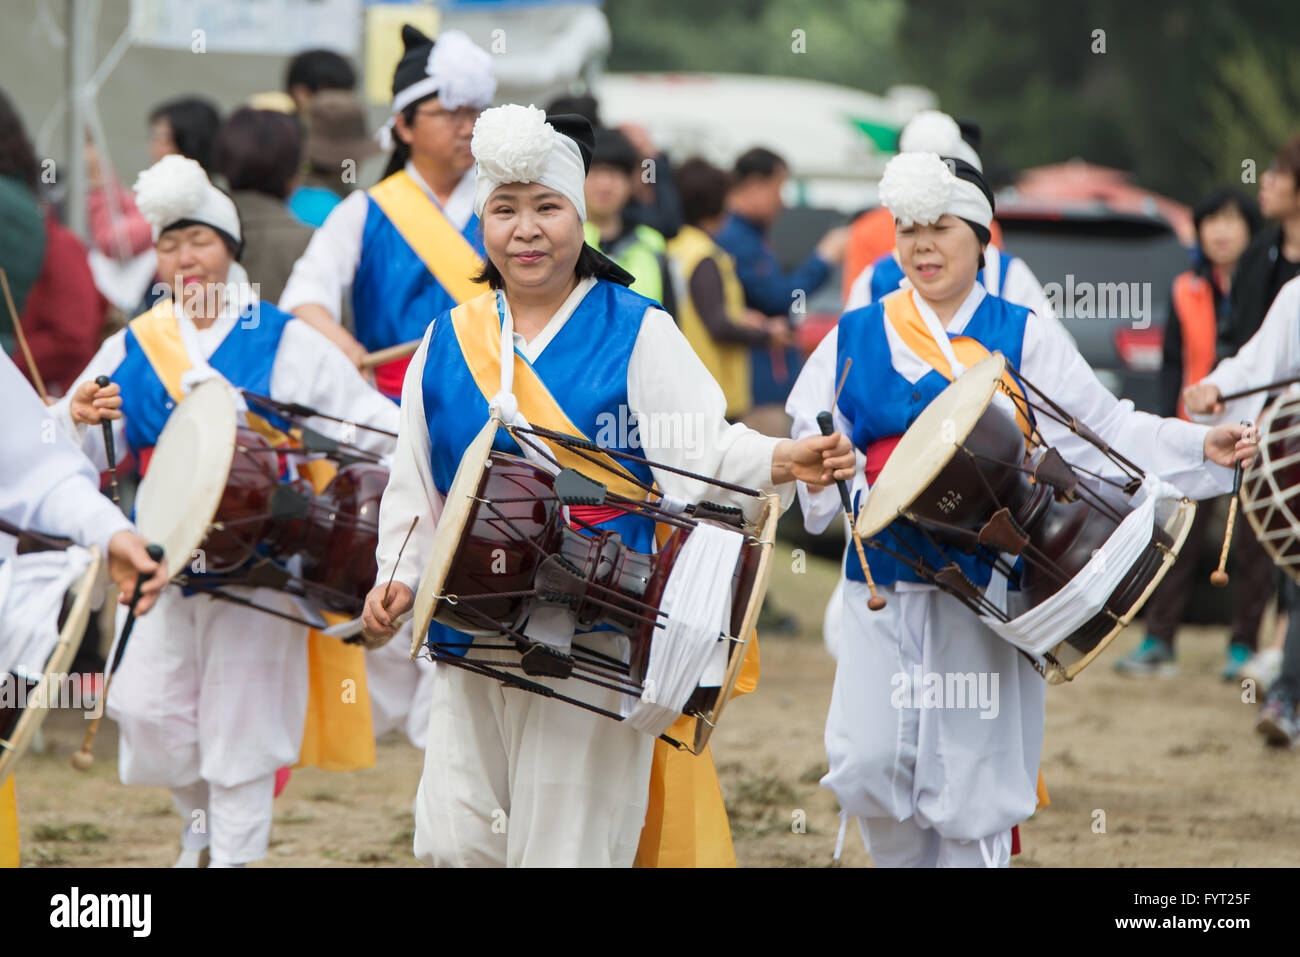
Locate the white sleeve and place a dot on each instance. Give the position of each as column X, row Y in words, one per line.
column 410, row 492
column 1171, row 448
column 1023, row 288
column 681, row 419
column 46, row 484
column 813, row 392
column 91, row 441
column 310, row 369
column 1272, row 353
column 860, row 291
column 326, row 268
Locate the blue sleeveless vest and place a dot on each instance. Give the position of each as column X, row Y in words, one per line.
column 394, row 296
column 881, row 403
column 245, row 357
column 584, row 368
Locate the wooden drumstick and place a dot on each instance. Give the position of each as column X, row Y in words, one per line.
column 358, row 639
column 83, row 759
column 380, row 356
column 110, row 452
column 1219, row 577
column 22, row 340
column 875, row 603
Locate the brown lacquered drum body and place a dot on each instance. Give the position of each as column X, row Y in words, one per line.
column 962, row 477
column 516, row 540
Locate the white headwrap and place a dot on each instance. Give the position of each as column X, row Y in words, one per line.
column 458, row 70
column 933, row 132
column 176, row 188
column 515, row 144
column 918, row 188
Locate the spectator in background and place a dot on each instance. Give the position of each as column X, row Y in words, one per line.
column 637, row 248
column 313, row 71
column 1271, row 260
column 259, row 153
column 187, row 126
column 654, row 201
column 1225, row 221
column 61, row 312
column 711, row 301
column 754, row 204
column 337, row 143
column 122, row 251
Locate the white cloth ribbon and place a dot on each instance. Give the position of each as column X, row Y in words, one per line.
column 687, row 651
column 1047, row 624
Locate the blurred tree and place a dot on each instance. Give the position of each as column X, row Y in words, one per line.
column 1177, row 92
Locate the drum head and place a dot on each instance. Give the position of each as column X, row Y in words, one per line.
column 930, row 443
column 456, row 510
column 187, row 473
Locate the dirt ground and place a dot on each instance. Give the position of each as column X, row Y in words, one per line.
column 1162, row 772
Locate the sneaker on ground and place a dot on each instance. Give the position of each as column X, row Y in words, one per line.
column 1153, row 657
column 1277, row 722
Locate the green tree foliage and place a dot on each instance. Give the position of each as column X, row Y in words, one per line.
column 1178, row 92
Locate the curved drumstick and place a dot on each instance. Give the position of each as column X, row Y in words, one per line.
column 110, row 452
column 1259, row 388
column 825, row 423
column 83, row 759
column 1219, row 577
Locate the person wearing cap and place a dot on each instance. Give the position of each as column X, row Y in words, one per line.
column 1002, row 274
column 945, row 786
column 211, row 697
column 336, row 145
column 637, row 248
column 573, row 785
column 408, row 247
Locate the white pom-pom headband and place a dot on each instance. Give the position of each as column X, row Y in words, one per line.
column 176, row 188
column 933, row 132
column 918, row 188
column 515, row 144
column 458, row 70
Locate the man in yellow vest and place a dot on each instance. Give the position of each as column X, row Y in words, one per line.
column 711, row 307
column 1225, row 221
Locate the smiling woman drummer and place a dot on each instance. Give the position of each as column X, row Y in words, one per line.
column 586, row 350
column 211, row 697
column 944, row 786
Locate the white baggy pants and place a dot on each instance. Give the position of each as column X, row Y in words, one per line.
column 512, row 778
column 935, row 730
column 400, row 689
column 212, row 692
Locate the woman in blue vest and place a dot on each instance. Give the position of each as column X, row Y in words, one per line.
column 571, row 785
column 210, row 697
column 944, row 786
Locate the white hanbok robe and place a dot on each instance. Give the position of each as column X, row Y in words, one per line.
column 512, row 778
column 945, row 785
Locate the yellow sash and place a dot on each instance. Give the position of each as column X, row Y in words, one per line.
column 686, row 820
column 8, row 825
column 906, row 320
column 338, row 734
column 426, row 229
